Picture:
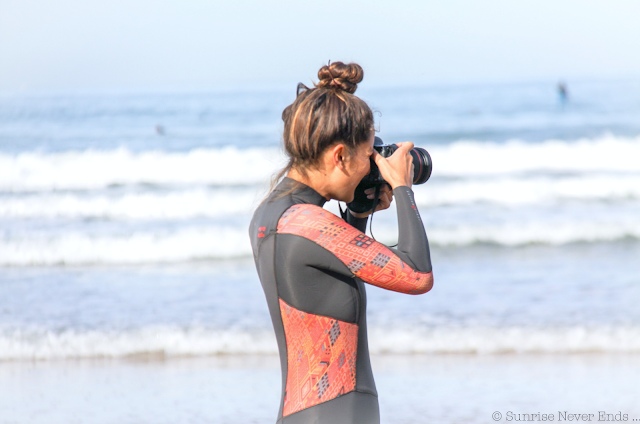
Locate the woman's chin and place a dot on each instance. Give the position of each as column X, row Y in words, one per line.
column 349, row 198
column 343, row 196
column 345, row 199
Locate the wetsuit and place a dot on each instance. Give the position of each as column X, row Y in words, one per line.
column 312, row 266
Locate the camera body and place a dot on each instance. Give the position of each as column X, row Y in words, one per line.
column 421, row 173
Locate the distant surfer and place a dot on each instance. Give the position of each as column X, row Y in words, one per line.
column 563, row 94
column 159, row 129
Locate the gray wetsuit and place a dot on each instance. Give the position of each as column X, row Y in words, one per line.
column 313, row 266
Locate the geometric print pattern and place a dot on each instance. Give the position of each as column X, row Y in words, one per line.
column 369, row 260
column 321, row 358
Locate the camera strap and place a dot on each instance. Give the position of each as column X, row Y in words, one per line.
column 343, row 213
column 376, row 199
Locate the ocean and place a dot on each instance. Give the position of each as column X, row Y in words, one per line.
column 127, row 279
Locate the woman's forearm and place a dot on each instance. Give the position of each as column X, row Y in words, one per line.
column 413, row 245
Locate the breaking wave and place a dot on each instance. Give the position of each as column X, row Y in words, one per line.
column 170, row 341
column 148, row 205
column 227, row 201
column 93, row 169
column 141, row 247
column 225, row 242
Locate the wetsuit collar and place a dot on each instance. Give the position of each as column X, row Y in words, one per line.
column 300, row 192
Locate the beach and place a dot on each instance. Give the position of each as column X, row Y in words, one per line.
column 226, row 389
column 129, row 292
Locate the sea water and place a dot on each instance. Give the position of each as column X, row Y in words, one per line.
column 123, row 234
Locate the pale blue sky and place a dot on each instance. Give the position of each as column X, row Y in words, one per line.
column 99, row 44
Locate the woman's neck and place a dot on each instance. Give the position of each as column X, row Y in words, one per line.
column 315, row 179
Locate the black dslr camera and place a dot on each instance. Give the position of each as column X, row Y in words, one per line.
column 421, row 173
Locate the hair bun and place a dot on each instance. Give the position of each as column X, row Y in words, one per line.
column 340, row 76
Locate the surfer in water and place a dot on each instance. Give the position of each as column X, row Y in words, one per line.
column 563, row 94
column 313, row 265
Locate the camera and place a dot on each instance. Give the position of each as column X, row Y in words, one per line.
column 421, row 173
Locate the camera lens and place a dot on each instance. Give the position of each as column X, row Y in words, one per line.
column 421, row 165
column 421, row 162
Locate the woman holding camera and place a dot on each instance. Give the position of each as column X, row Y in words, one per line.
column 313, row 265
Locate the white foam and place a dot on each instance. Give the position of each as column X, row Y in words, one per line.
column 140, row 247
column 550, row 233
column 165, row 340
column 515, row 340
column 608, row 153
column 524, row 191
column 516, row 228
column 215, row 203
column 171, row 341
column 223, row 242
column 93, row 169
column 149, row 205
column 96, row 169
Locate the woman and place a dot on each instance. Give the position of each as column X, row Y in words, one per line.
column 313, row 265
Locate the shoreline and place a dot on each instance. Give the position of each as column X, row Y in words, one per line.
column 221, row 360
column 411, row 388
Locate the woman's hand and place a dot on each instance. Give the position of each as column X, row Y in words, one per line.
column 397, row 169
column 384, row 200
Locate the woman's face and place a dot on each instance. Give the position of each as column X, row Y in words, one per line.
column 358, row 165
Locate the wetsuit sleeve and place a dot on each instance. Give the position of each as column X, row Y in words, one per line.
column 413, row 245
column 364, row 257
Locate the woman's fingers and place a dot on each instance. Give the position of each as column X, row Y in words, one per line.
column 384, row 203
column 396, row 169
column 386, row 190
column 408, row 145
column 370, row 192
column 385, row 198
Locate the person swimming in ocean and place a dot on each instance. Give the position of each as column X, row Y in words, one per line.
column 563, row 93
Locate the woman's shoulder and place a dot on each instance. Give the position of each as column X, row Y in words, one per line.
column 307, row 215
column 316, row 224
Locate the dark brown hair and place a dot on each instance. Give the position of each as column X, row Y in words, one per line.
column 325, row 115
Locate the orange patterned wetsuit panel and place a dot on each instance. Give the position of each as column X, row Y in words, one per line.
column 369, row 260
column 321, row 358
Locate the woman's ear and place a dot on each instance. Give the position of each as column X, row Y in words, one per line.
column 339, row 157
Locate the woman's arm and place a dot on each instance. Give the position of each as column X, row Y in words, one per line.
column 413, row 245
column 397, row 170
column 364, row 257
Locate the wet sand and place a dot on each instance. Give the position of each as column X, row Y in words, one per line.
column 246, row 389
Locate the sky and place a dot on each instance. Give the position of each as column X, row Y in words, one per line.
column 99, row 44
